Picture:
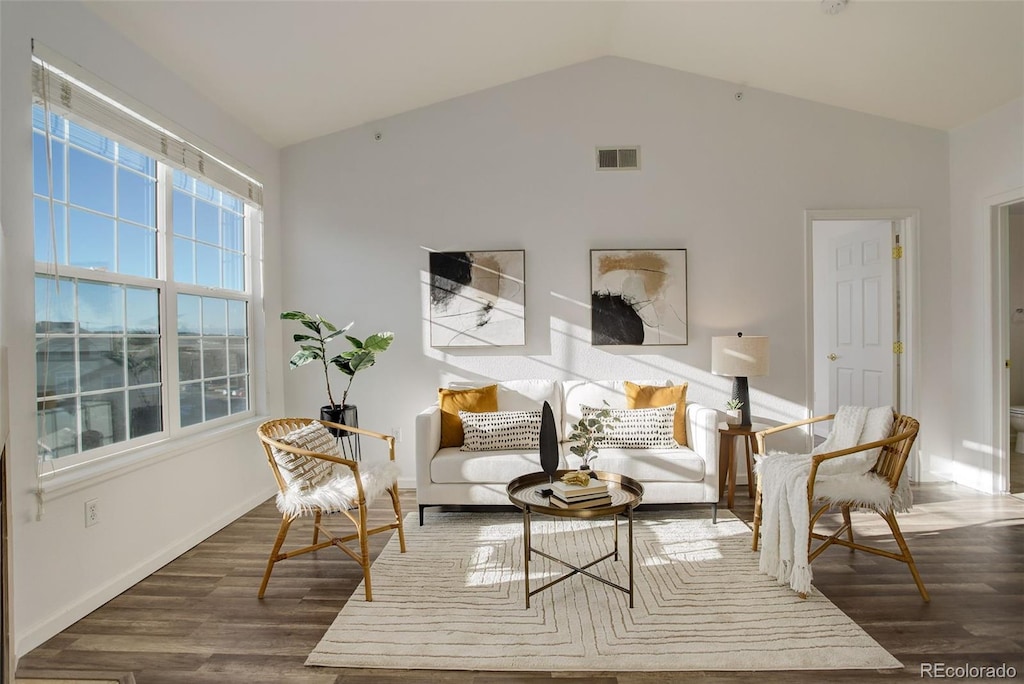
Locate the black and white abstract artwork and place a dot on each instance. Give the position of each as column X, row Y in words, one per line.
column 638, row 296
column 477, row 298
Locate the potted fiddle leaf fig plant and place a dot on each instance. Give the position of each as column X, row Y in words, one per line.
column 313, row 347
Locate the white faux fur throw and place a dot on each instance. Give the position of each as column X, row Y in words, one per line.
column 339, row 493
column 784, row 511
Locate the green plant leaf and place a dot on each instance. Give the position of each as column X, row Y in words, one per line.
column 327, row 324
column 299, row 337
column 295, row 316
column 354, row 341
column 302, row 357
column 379, row 342
column 312, row 325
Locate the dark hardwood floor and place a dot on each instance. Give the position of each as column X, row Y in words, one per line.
column 198, row 619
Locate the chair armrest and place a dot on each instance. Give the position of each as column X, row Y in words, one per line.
column 367, row 433
column 818, row 459
column 428, row 439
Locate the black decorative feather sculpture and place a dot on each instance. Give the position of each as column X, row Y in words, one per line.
column 548, row 442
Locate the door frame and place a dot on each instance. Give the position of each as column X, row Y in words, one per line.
column 999, row 230
column 906, row 307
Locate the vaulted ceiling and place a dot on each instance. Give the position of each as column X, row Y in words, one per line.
column 292, row 70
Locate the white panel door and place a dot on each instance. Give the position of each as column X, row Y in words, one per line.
column 854, row 300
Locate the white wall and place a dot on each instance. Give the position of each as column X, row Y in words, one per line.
column 513, row 168
column 163, row 506
column 986, row 161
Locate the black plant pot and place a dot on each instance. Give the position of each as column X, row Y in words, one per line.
column 344, row 415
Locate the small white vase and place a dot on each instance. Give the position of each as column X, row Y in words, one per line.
column 734, row 416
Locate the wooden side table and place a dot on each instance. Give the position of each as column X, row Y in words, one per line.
column 727, row 435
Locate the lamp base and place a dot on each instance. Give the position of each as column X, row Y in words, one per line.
column 741, row 392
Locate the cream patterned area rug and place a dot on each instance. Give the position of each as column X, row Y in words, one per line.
column 455, row 602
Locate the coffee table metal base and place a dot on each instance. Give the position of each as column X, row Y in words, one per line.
column 528, row 550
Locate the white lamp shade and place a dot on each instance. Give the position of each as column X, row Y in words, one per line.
column 745, row 356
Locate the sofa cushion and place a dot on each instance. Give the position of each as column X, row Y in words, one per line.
column 680, row 464
column 500, row 430
column 530, row 395
column 653, row 396
column 452, row 466
column 475, row 399
column 650, row 428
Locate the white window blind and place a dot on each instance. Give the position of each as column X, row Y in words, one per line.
column 70, row 95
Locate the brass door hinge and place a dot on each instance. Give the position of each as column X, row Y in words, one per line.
column 897, row 252
column 897, row 347
column 1007, row 363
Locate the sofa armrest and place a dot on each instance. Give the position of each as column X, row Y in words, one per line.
column 428, row 439
column 702, row 435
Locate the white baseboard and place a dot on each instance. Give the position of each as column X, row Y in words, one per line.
column 47, row 628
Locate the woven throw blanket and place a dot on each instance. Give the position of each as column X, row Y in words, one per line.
column 784, row 510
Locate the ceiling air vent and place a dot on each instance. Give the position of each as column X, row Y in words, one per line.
column 609, row 158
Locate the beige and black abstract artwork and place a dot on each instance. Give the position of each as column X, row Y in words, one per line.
column 638, row 296
column 477, row 298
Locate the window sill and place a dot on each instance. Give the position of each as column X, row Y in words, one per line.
column 74, row 478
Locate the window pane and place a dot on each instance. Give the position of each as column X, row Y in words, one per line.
column 136, row 198
column 215, row 396
column 40, row 180
column 232, row 231
column 183, row 214
column 57, row 428
column 100, row 307
column 91, row 181
column 190, row 365
column 237, row 324
column 184, row 261
column 215, row 316
column 143, row 310
column 143, row 360
column 103, row 419
column 207, row 192
column 207, row 265
column 101, row 361
column 207, row 223
column 237, row 356
column 90, row 140
column 189, row 316
column 234, row 275
column 145, row 411
column 136, row 250
column 92, row 240
column 55, row 366
column 190, row 399
column 55, row 310
column 215, row 356
column 44, row 246
column 239, row 395
column 131, row 159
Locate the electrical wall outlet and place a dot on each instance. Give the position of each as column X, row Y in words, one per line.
column 92, row 514
column 397, row 433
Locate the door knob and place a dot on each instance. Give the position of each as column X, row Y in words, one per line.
column 832, row 357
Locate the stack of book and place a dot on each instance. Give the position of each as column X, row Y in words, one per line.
column 565, row 495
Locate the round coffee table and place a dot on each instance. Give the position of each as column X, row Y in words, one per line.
column 626, row 493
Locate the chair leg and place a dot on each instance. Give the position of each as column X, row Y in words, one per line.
column 397, row 505
column 316, row 528
column 281, row 534
column 364, row 553
column 890, row 517
column 757, row 516
column 848, row 524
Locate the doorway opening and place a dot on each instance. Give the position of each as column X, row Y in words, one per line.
column 1009, row 224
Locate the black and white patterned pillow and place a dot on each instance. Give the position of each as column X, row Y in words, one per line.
column 500, row 430
column 649, row 428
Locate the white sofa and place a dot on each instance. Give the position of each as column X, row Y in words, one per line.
column 452, row 477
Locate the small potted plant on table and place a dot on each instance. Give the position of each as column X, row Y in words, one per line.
column 588, row 433
column 733, row 414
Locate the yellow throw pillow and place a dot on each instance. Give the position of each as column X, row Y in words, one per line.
column 474, row 400
column 653, row 396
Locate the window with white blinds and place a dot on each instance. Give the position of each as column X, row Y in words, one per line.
column 143, row 292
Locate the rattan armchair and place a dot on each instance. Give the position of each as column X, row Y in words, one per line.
column 321, row 483
column 823, row 496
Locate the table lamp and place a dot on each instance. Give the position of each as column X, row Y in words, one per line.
column 741, row 357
